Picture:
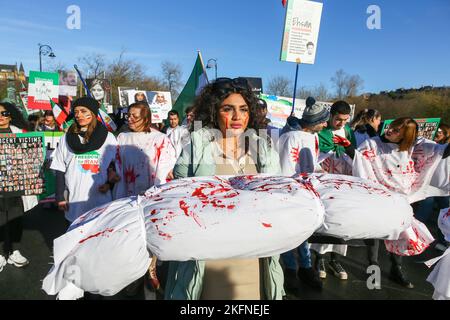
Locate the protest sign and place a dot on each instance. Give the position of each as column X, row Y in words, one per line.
column 427, row 127
column 301, row 31
column 68, row 83
column 42, row 87
column 21, row 164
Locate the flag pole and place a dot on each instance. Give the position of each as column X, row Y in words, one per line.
column 295, row 87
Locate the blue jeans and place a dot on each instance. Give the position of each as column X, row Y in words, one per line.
column 304, row 257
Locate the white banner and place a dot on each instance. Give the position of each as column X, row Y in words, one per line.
column 301, row 31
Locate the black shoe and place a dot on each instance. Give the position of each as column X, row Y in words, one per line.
column 310, row 277
column 398, row 275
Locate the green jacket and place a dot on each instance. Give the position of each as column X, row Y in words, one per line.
column 185, row 279
column 326, row 143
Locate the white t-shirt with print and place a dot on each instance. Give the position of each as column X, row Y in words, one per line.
column 84, row 174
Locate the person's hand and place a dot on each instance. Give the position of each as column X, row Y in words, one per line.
column 342, row 141
column 170, row 176
column 63, row 206
column 113, row 177
column 104, row 188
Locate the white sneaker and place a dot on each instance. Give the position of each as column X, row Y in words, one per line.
column 17, row 259
column 2, row 262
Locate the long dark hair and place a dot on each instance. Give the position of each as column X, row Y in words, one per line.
column 207, row 104
column 363, row 117
column 76, row 129
column 17, row 118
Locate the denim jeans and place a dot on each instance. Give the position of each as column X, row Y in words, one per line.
column 304, row 257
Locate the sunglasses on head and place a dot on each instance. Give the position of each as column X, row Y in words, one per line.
column 5, row 113
column 226, row 85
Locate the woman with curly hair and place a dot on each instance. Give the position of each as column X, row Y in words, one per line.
column 225, row 145
column 11, row 228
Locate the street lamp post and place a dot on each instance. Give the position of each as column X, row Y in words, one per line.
column 212, row 63
column 45, row 50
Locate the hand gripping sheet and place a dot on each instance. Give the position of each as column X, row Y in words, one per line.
column 357, row 208
column 207, row 218
column 103, row 251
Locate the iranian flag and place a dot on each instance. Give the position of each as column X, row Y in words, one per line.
column 106, row 119
column 197, row 80
column 41, row 86
column 60, row 115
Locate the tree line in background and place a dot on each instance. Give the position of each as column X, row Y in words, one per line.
column 425, row 102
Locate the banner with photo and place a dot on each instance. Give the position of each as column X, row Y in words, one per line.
column 101, row 91
column 301, row 31
column 427, row 127
column 161, row 102
column 279, row 108
column 42, row 86
column 68, row 81
column 123, row 96
column 22, row 158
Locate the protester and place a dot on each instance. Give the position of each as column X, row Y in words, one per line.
column 12, row 209
column 403, row 164
column 336, row 162
column 33, row 122
column 189, row 117
column 146, row 156
column 49, row 122
column 299, row 153
column 81, row 162
column 178, row 135
column 227, row 111
column 262, row 121
column 423, row 209
column 366, row 124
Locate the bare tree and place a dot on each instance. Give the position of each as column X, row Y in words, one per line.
column 172, row 77
column 93, row 64
column 280, row 86
column 55, row 66
column 346, row 85
column 304, row 93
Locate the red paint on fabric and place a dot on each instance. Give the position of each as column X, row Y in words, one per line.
column 267, row 225
column 96, row 235
column 295, row 154
column 231, row 207
column 184, row 207
column 158, row 150
column 130, row 175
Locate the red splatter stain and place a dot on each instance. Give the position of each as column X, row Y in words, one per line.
column 153, row 212
column 295, row 154
column 96, row 235
column 447, row 214
column 267, row 225
column 317, row 146
column 184, row 207
column 130, row 175
column 231, row 207
column 165, row 235
column 369, row 154
column 158, row 150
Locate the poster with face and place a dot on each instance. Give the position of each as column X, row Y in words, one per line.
column 123, row 96
column 161, row 101
column 68, row 81
column 136, row 96
column 21, row 167
column 100, row 90
column 427, row 127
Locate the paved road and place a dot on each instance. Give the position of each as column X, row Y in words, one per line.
column 44, row 225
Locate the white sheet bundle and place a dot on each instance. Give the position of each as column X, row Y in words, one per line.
column 216, row 218
column 356, row 208
column 207, row 218
column 103, row 252
column 440, row 277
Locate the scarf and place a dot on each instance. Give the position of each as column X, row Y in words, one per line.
column 96, row 140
